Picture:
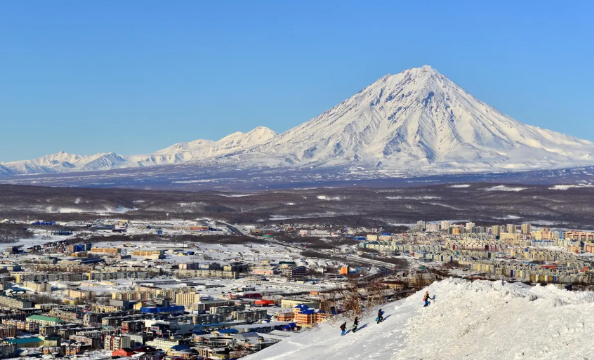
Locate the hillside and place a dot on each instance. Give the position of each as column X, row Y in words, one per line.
column 478, row 320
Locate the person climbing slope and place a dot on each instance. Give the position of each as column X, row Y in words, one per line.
column 343, row 328
column 380, row 316
column 426, row 299
column 355, row 324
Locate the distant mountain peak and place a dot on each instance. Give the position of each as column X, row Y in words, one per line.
column 416, row 121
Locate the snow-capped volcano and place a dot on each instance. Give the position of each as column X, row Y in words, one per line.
column 419, row 119
column 411, row 122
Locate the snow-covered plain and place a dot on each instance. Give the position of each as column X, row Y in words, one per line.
column 468, row 320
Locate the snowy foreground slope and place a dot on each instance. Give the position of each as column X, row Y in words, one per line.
column 478, row 320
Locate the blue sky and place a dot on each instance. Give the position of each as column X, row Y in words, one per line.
column 139, row 75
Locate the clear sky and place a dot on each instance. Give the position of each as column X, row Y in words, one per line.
column 136, row 76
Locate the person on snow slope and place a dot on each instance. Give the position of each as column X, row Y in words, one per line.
column 426, row 299
column 355, row 324
column 343, row 328
column 380, row 316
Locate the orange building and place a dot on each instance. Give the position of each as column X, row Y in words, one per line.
column 309, row 318
column 306, row 316
column 286, row 317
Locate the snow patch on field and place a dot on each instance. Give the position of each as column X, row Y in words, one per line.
column 413, row 197
column 509, row 217
column 107, row 210
column 505, row 188
column 566, row 187
column 324, row 197
column 468, row 320
column 443, row 205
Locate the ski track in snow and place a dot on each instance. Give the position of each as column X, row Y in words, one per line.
column 468, row 320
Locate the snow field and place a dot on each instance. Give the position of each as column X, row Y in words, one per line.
column 474, row 320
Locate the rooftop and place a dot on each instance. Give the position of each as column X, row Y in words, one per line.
column 45, row 318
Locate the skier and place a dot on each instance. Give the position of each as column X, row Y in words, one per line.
column 380, row 316
column 343, row 328
column 426, row 299
column 355, row 324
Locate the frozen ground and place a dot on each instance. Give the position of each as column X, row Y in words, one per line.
column 222, row 254
column 468, row 320
column 37, row 240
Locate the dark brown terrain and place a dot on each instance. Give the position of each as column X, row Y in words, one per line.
column 483, row 203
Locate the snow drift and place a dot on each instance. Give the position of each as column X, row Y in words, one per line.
column 468, row 320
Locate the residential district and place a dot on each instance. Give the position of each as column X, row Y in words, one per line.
column 93, row 288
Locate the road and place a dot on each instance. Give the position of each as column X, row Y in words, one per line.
column 383, row 269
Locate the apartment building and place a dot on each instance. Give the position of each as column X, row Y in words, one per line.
column 8, row 351
column 116, row 342
column 37, row 286
column 78, row 294
column 15, row 303
column 7, row 331
column 526, row 229
column 30, row 327
column 149, row 254
column 44, row 320
column 115, row 275
column 106, row 251
column 162, row 344
column 44, row 277
column 187, row 299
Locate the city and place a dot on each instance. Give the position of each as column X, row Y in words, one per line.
column 205, row 289
column 296, row 180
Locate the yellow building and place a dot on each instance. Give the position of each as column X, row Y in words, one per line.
column 37, row 286
column 109, row 251
column 78, row 294
column 149, row 254
column 187, row 299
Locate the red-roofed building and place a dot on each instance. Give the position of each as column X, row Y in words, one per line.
column 123, row 352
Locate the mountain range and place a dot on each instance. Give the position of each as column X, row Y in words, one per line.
column 417, row 121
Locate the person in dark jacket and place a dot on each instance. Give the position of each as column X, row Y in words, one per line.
column 343, row 328
column 380, row 316
column 355, row 324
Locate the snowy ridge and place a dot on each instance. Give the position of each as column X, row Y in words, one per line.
column 414, row 122
column 175, row 154
column 474, row 320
